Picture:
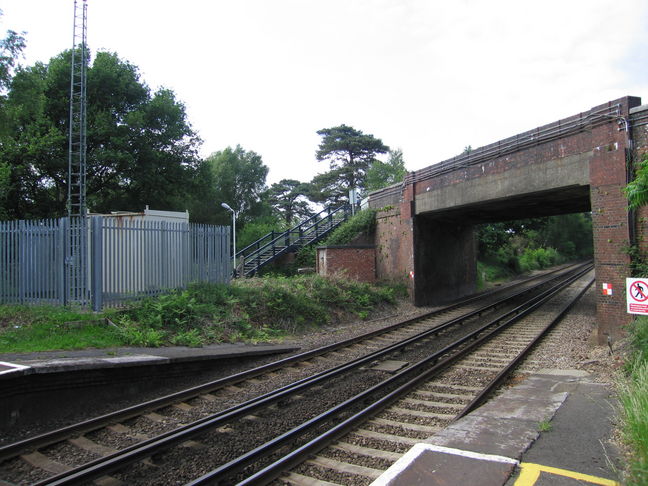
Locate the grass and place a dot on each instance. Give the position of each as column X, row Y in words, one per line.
column 253, row 310
column 634, row 402
column 545, row 426
column 25, row 329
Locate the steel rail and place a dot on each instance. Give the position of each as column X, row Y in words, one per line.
column 502, row 375
column 167, row 440
column 266, row 449
column 13, row 449
column 294, row 458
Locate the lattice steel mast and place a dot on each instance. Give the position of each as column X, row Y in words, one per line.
column 76, row 203
column 76, row 260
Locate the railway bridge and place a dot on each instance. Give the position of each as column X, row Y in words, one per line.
column 577, row 164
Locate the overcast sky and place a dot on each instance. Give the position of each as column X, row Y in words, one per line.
column 425, row 76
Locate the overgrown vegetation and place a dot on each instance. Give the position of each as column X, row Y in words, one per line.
column 637, row 190
column 633, row 388
column 521, row 246
column 362, row 223
column 634, row 400
column 247, row 310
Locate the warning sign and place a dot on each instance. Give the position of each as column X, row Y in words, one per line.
column 637, row 295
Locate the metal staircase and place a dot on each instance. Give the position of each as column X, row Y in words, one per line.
column 267, row 249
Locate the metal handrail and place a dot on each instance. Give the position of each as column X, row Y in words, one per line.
column 283, row 242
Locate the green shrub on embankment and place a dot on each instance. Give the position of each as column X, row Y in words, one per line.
column 361, row 223
column 505, row 264
column 634, row 401
column 257, row 309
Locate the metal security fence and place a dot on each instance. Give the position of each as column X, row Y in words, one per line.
column 106, row 261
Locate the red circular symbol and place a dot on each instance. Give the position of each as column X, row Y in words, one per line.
column 639, row 291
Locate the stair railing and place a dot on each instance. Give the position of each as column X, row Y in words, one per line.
column 275, row 244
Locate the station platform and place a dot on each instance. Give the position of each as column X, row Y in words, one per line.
column 13, row 365
column 554, row 428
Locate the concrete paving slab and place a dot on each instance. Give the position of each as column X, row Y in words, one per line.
column 580, row 435
column 509, row 423
column 487, row 435
column 576, row 450
column 430, row 465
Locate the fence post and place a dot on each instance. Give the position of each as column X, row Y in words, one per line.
column 96, row 263
column 61, row 255
column 22, row 261
column 164, row 234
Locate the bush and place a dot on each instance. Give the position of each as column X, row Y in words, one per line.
column 634, row 400
column 363, row 222
column 250, row 309
column 534, row 259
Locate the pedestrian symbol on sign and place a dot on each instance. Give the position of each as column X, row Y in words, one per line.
column 639, row 291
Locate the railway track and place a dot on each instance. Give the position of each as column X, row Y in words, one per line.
column 137, row 445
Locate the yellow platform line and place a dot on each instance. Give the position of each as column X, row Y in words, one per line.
column 531, row 472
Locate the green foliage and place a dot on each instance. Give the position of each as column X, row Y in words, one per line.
column 637, row 190
column 383, row 174
column 238, row 179
column 258, row 309
column 638, row 262
column 133, row 334
column 512, row 247
column 250, row 309
column 11, row 48
column 256, row 229
column 140, row 148
column 363, row 222
column 535, row 259
column 349, row 153
column 287, row 197
column 633, row 395
column 5, row 173
column 545, row 426
column 37, row 328
column 191, row 338
column 326, row 188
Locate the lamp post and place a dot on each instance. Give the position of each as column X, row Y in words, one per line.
column 226, row 206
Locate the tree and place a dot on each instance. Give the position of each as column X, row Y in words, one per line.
column 140, row 147
column 350, row 153
column 239, row 179
column 287, row 198
column 11, row 48
column 326, row 188
column 382, row 174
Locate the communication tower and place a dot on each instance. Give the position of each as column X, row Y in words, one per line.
column 76, row 203
column 76, row 259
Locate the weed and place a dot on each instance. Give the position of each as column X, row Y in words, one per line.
column 545, row 426
column 135, row 335
column 191, row 338
column 633, row 395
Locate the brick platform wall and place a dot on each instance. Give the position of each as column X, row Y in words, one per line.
column 356, row 262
